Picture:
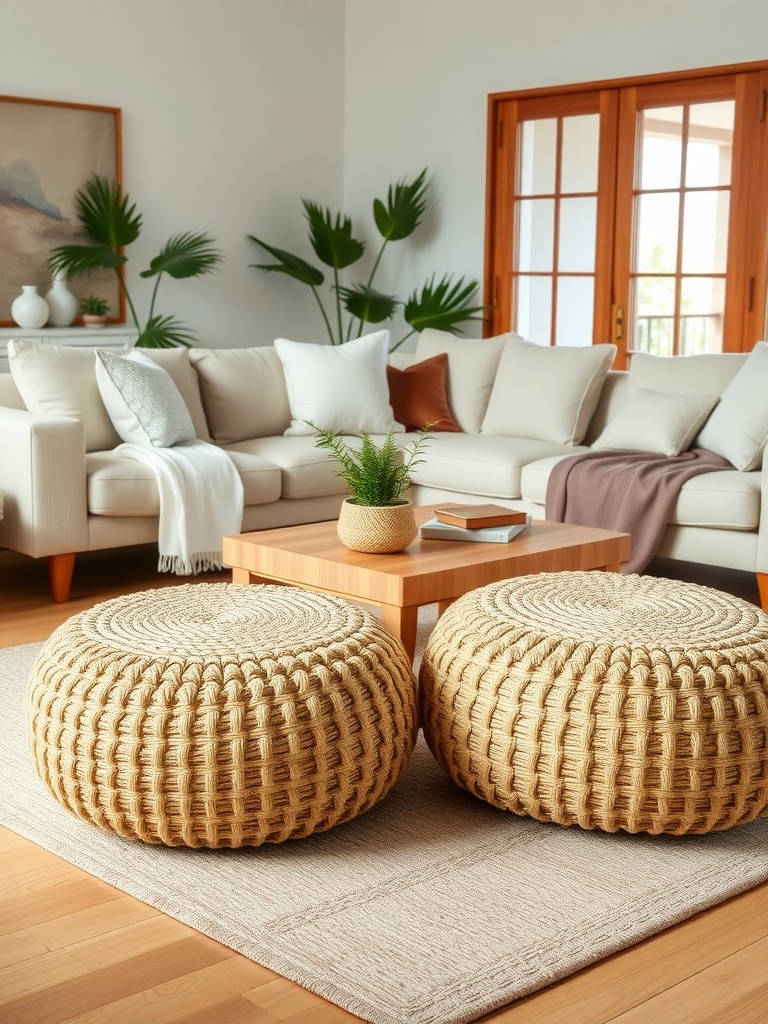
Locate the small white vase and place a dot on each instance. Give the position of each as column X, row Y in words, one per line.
column 29, row 309
column 62, row 304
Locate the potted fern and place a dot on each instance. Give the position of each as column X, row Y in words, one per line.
column 376, row 517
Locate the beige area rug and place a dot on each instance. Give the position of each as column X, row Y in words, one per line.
column 432, row 908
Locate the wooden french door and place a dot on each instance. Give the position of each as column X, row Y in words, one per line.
column 631, row 212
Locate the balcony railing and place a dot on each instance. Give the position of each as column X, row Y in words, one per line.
column 699, row 333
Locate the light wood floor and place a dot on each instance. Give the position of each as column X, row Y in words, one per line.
column 73, row 949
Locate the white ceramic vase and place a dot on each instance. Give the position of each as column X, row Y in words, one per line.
column 29, row 309
column 62, row 304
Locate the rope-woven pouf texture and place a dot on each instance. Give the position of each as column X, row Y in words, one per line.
column 603, row 700
column 221, row 715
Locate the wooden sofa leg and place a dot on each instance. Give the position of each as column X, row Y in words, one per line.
column 762, row 587
column 60, row 570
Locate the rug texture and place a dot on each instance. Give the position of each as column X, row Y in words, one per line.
column 432, row 908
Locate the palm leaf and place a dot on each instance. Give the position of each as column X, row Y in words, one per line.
column 443, row 305
column 332, row 238
column 79, row 260
column 404, row 208
column 190, row 254
column 108, row 218
column 164, row 332
column 293, row 266
column 368, row 305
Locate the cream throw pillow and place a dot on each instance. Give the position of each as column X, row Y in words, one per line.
column 243, row 392
column 657, row 421
column 472, row 365
column 341, row 388
column 60, row 381
column 144, row 404
column 546, row 392
column 738, row 428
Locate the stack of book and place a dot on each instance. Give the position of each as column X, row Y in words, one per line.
column 488, row 524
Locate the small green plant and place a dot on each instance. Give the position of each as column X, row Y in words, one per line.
column 442, row 304
column 94, row 305
column 374, row 474
column 111, row 222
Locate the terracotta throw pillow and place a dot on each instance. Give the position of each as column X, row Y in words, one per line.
column 417, row 394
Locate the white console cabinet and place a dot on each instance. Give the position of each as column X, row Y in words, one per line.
column 120, row 337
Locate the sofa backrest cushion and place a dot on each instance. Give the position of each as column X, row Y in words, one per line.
column 472, row 366
column 176, row 362
column 142, row 400
column 707, row 374
column 657, row 421
column 243, row 392
column 61, row 381
column 340, row 388
column 738, row 427
column 546, row 392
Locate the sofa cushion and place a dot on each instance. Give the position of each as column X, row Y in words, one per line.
column 340, row 388
column 472, row 366
column 545, row 392
column 60, row 381
column 707, row 374
column 243, row 392
column 738, row 428
column 176, row 362
column 305, row 471
column 417, row 395
column 120, row 486
column 482, row 464
column 657, row 421
column 142, row 400
column 726, row 499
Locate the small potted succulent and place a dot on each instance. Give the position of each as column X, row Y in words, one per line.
column 376, row 517
column 94, row 310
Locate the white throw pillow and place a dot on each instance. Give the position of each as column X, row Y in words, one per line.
column 738, row 428
column 657, row 421
column 546, row 392
column 705, row 374
column 243, row 391
column 144, row 404
column 60, row 381
column 472, row 365
column 341, row 388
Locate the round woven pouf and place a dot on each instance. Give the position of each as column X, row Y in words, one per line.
column 221, row 715
column 606, row 701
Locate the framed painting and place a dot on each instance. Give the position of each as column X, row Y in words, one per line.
column 48, row 150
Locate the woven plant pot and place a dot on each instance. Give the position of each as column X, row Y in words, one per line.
column 376, row 529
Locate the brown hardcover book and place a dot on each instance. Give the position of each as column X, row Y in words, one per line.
column 475, row 517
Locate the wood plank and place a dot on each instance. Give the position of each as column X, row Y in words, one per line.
column 123, row 923
column 16, row 947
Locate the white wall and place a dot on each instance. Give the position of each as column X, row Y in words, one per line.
column 418, row 75
column 232, row 111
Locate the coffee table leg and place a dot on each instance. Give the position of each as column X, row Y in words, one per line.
column 403, row 623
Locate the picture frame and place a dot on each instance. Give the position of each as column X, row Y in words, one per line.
column 48, row 150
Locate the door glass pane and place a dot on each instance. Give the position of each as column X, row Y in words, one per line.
column 575, row 310
column 705, row 232
column 538, row 157
column 710, row 144
column 581, row 136
column 701, row 321
column 578, row 226
column 534, row 309
column 536, row 239
column 654, row 303
column 661, row 147
column 656, row 230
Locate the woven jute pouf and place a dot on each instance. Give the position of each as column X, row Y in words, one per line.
column 221, row 715
column 607, row 701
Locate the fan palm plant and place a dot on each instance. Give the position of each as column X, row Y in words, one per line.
column 112, row 223
column 445, row 304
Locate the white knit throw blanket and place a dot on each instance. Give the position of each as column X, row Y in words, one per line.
column 201, row 501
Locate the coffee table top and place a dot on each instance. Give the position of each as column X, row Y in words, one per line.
column 427, row 570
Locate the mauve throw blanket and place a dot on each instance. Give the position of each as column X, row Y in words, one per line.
column 627, row 491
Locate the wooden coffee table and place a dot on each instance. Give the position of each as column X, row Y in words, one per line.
column 427, row 572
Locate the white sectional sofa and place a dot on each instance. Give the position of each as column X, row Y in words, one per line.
column 516, row 410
